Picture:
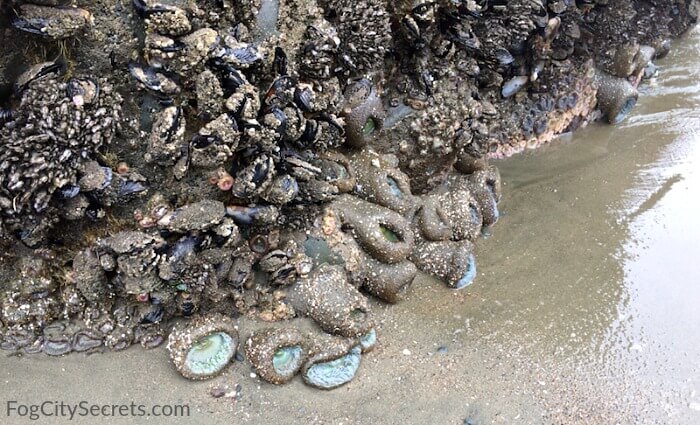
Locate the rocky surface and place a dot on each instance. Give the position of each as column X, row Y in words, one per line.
column 179, row 159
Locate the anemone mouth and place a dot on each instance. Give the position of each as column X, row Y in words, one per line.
column 469, row 275
column 626, row 108
column 369, row 127
column 389, row 234
column 394, row 187
column 334, row 373
column 210, row 354
column 368, row 340
column 288, row 360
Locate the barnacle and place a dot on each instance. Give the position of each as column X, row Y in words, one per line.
column 51, row 137
column 364, row 32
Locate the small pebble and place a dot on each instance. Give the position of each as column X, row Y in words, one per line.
column 217, row 392
column 442, row 350
column 406, row 352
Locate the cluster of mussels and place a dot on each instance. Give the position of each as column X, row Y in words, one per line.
column 292, row 157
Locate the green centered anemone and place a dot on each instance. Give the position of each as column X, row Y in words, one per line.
column 287, row 360
column 210, row 354
column 333, row 373
column 277, row 354
column 389, row 234
column 202, row 348
column 369, row 127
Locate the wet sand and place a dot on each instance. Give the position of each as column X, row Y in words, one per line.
column 585, row 310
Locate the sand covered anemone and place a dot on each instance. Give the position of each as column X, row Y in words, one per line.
column 616, row 97
column 202, row 348
column 277, row 354
column 485, row 187
column 452, row 262
column 379, row 180
column 334, row 363
column 363, row 112
column 454, row 215
column 388, row 282
column 382, row 233
column 327, row 297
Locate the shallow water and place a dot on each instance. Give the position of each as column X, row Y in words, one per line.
column 586, row 308
column 609, row 295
